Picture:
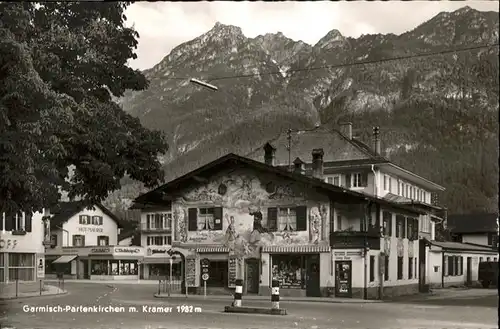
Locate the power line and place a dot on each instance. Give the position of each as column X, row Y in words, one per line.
column 428, row 54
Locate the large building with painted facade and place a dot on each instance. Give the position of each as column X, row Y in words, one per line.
column 256, row 221
column 22, row 258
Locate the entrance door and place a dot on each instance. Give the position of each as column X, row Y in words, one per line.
column 86, row 269
column 343, row 278
column 252, row 276
column 422, row 286
column 312, row 276
column 469, row 271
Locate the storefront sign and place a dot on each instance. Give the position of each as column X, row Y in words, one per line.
column 90, row 229
column 121, row 250
column 100, row 250
column 157, row 251
column 8, row 243
column 40, row 268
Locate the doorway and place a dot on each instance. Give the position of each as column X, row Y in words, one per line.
column 312, row 277
column 86, row 269
column 468, row 280
column 422, row 286
column 252, row 276
column 343, row 278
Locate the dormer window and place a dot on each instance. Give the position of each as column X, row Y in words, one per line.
column 357, row 180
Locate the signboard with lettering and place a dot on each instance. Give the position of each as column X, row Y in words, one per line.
column 127, row 250
column 100, row 250
column 40, row 267
column 191, row 272
column 90, row 229
column 157, row 251
column 232, row 263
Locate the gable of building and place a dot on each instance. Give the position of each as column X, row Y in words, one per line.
column 64, row 211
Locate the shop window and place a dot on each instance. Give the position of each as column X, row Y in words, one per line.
column 21, row 267
column 100, row 267
column 289, row 270
column 386, row 268
column 410, row 267
column 400, row 268
column 78, row 240
column 162, row 271
column 372, row 268
column 123, row 267
column 103, row 240
column 387, row 223
column 218, row 274
column 51, row 268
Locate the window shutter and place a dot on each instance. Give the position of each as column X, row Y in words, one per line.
column 364, row 179
column 192, row 219
column 301, row 215
column 272, row 219
column 403, row 220
column 101, row 220
column 74, row 240
column 218, row 218
column 348, row 180
column 28, row 222
column 83, row 240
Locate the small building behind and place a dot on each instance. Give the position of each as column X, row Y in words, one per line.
column 84, row 245
column 476, row 228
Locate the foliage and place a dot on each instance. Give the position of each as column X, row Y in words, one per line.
column 60, row 64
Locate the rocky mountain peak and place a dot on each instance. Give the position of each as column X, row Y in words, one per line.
column 226, row 30
column 332, row 39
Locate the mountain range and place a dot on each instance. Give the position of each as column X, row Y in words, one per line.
column 438, row 114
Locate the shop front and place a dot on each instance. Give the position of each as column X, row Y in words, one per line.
column 19, row 259
column 70, row 262
column 302, row 271
column 115, row 262
column 157, row 264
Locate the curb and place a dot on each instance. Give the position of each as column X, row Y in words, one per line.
column 63, row 292
column 254, row 310
column 332, row 301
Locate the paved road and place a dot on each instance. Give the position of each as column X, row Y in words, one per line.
column 300, row 315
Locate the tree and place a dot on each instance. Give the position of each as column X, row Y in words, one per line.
column 60, row 65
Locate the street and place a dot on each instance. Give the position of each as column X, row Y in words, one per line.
column 208, row 314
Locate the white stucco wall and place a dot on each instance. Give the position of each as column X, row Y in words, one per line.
column 475, row 238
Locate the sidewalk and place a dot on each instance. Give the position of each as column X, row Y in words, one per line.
column 47, row 291
column 268, row 298
column 144, row 282
column 446, row 293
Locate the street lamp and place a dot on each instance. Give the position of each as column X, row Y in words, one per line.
column 203, row 84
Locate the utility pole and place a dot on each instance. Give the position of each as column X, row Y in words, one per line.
column 289, row 148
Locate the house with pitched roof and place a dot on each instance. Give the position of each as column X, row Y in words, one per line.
column 476, row 228
column 84, row 244
column 238, row 218
column 351, row 164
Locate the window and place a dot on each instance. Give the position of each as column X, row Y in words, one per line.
column 416, row 268
column 287, row 218
column 123, row 267
column 446, row 266
column 453, row 265
column 386, row 268
column 372, row 268
column 358, row 180
column 2, row 267
column 329, row 180
column 97, row 220
column 412, row 228
column 407, row 191
column 480, row 259
column 487, row 259
column 200, row 219
column 21, row 267
column 412, row 196
column 290, row 270
column 400, row 227
column 386, row 186
column 78, row 240
column 161, row 240
column 336, row 180
column 460, row 265
column 387, row 223
column 53, row 240
column 100, row 267
column 84, row 220
column 400, row 268
column 493, row 240
column 161, row 221
column 103, row 240
column 410, row 267
column 390, row 184
column 400, row 188
column 339, row 222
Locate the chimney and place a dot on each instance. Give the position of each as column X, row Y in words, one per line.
column 269, row 154
column 299, row 166
column 376, row 140
column 317, row 163
column 346, row 129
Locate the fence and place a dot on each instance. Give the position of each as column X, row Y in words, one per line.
column 167, row 286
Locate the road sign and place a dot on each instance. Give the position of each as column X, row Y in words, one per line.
column 204, row 277
column 205, row 262
column 204, row 270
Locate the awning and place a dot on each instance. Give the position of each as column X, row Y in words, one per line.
column 64, row 259
column 296, row 249
column 214, row 249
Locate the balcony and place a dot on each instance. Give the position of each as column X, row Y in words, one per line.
column 354, row 240
column 145, row 228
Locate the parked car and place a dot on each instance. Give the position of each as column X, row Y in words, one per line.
column 488, row 274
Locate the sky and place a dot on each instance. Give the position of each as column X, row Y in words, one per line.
column 164, row 25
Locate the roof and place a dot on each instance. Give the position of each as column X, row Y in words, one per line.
column 472, row 223
column 65, row 210
column 461, row 246
column 164, row 192
column 340, row 151
column 396, row 198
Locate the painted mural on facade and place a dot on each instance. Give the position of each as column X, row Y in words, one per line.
column 244, row 199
